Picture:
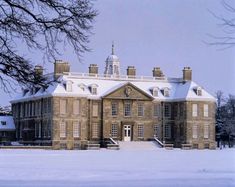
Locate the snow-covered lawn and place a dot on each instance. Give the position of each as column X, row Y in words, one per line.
column 167, row 168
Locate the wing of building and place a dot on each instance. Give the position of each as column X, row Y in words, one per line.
column 7, row 130
column 80, row 108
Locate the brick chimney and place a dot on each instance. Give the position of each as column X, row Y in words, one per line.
column 131, row 71
column 157, row 72
column 93, row 69
column 60, row 67
column 187, row 74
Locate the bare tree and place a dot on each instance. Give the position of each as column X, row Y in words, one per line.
column 228, row 26
column 225, row 117
column 41, row 25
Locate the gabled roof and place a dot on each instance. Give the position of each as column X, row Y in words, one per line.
column 7, row 123
column 131, row 85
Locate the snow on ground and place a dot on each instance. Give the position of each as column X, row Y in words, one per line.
column 104, row 168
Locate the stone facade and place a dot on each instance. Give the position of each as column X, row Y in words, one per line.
column 84, row 109
column 180, row 120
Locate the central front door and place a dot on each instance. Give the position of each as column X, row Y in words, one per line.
column 127, row 133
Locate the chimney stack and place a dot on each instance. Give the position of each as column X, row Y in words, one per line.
column 187, row 74
column 38, row 70
column 93, row 69
column 131, row 71
column 157, row 72
column 60, row 67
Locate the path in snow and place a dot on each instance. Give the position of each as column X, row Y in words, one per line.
column 144, row 146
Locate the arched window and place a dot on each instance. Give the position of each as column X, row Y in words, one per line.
column 155, row 92
column 166, row 92
column 198, row 91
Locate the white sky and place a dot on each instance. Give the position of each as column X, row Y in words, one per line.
column 164, row 33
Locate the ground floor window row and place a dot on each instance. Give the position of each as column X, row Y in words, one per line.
column 43, row 130
column 34, row 130
column 116, row 130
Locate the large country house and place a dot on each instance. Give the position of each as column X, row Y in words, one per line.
column 80, row 108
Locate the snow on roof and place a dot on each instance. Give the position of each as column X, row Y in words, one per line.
column 81, row 87
column 7, row 123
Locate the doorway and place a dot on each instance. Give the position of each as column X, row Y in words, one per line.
column 127, row 133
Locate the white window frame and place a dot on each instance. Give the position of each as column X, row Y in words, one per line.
column 199, row 91
column 206, row 110
column 127, row 109
column 156, row 129
column 195, row 131
column 114, row 106
column 114, row 130
column 76, row 129
column 156, row 110
column 140, row 130
column 194, row 110
column 140, row 109
column 155, row 92
column 206, row 131
column 166, row 92
column 95, row 130
column 62, row 129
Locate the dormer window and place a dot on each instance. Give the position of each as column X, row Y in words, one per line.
column 3, row 123
column 166, row 92
column 69, row 86
column 198, row 91
column 155, row 92
column 94, row 89
column 25, row 91
column 82, row 86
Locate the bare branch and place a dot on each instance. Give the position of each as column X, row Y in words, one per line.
column 42, row 25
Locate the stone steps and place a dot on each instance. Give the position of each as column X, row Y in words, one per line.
column 138, row 145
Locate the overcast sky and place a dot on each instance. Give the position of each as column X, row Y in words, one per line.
column 164, row 33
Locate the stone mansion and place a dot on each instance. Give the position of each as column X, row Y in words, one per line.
column 80, row 108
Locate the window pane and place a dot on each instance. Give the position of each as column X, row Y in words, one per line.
column 62, row 130
column 114, row 130
column 206, row 131
column 76, row 129
column 114, row 109
column 127, row 109
column 95, row 130
column 156, row 130
column 195, row 129
column 168, row 130
column 205, row 110
column 140, row 109
column 194, row 110
column 167, row 111
column 140, row 130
